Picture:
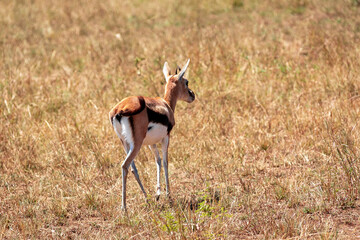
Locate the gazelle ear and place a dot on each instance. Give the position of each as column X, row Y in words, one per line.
column 166, row 71
column 181, row 74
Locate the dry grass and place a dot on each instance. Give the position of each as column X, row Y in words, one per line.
column 269, row 150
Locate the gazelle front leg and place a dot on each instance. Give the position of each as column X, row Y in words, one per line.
column 155, row 151
column 164, row 148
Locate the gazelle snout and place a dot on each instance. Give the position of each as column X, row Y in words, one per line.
column 191, row 97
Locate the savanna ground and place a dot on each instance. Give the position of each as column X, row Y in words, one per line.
column 269, row 150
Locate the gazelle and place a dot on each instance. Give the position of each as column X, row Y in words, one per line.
column 142, row 120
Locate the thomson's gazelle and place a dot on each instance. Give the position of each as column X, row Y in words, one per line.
column 143, row 120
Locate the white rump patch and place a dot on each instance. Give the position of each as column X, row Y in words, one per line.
column 155, row 134
column 123, row 130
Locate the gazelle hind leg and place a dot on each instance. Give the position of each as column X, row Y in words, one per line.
column 155, row 151
column 134, row 169
column 136, row 174
column 133, row 151
column 164, row 146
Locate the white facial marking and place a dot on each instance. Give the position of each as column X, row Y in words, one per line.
column 155, row 134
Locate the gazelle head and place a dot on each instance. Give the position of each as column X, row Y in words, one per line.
column 177, row 84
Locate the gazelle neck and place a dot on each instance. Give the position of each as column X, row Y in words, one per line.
column 171, row 96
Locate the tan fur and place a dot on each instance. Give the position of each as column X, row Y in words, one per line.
column 177, row 90
column 127, row 107
column 140, row 110
column 131, row 105
column 161, row 106
column 141, row 126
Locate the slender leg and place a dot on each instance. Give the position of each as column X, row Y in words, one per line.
column 133, row 151
column 135, row 172
column 155, row 151
column 134, row 169
column 164, row 146
column 123, row 199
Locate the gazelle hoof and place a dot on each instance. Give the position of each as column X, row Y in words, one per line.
column 123, row 209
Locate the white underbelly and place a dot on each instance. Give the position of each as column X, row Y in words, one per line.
column 155, row 133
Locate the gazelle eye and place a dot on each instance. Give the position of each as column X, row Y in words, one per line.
column 187, row 83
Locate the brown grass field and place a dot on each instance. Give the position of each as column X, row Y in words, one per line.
column 269, row 149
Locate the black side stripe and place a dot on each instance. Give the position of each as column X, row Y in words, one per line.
column 156, row 117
